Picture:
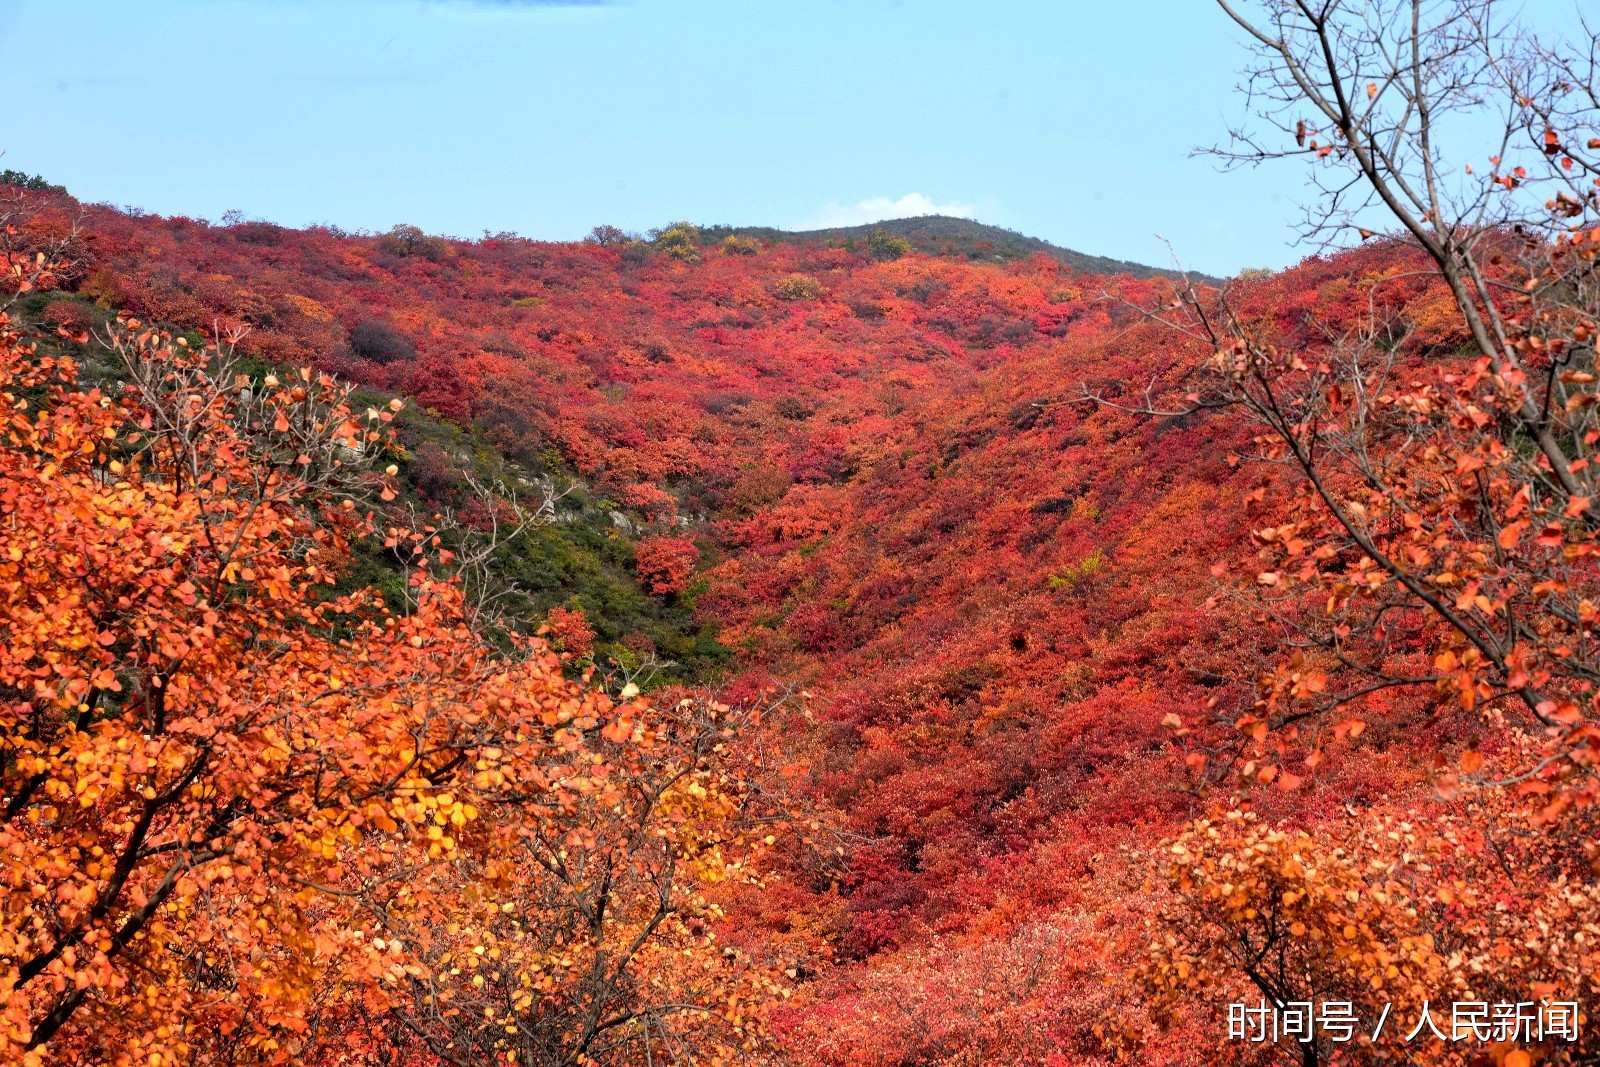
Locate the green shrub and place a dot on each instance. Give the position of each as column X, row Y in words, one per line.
column 799, row 287
column 27, row 181
column 883, row 245
column 680, row 240
column 1074, row 573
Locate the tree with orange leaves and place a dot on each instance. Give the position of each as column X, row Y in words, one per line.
column 204, row 744
column 576, row 934
column 1441, row 536
column 1439, row 546
column 1391, row 910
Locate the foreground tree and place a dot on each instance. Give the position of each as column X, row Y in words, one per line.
column 586, row 935
column 1442, row 532
column 1437, row 553
column 1393, row 913
column 213, row 759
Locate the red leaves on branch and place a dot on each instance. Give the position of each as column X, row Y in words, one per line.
column 570, row 632
column 665, row 564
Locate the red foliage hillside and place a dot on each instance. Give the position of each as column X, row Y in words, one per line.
column 709, row 376
column 904, row 500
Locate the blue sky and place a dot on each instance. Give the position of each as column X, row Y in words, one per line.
column 1071, row 120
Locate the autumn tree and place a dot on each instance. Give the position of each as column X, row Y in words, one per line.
column 585, row 935
column 678, row 240
column 1442, row 536
column 1385, row 911
column 881, row 244
column 570, row 632
column 607, row 236
column 408, row 240
column 798, row 287
column 199, row 733
column 665, row 564
column 1437, row 549
column 34, row 257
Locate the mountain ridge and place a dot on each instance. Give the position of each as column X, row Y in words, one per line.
column 950, row 235
column 938, row 235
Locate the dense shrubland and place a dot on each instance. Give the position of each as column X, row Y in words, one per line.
column 1091, row 651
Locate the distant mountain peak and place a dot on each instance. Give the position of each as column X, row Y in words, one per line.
column 948, row 235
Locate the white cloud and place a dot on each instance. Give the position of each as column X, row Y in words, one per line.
column 879, row 208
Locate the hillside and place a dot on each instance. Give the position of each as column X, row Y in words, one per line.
column 883, row 482
column 945, row 235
